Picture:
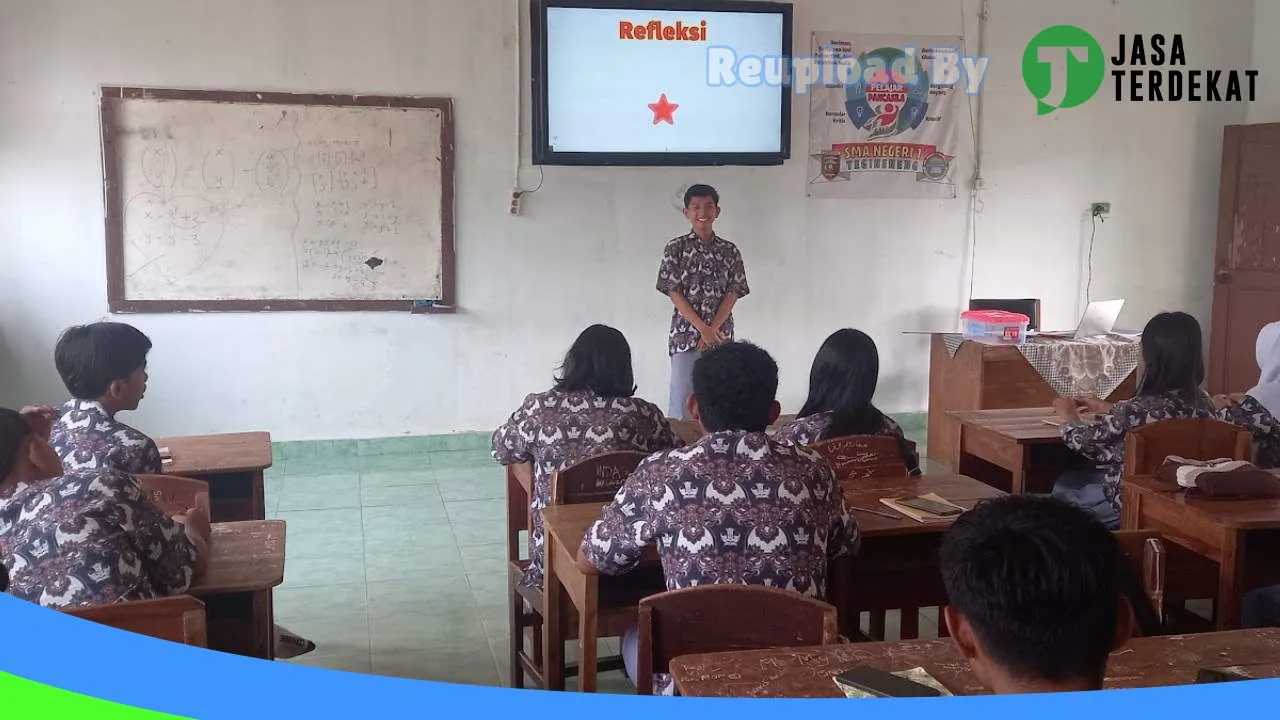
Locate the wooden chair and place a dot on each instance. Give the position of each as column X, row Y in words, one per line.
column 724, row 618
column 1146, row 448
column 1026, row 306
column 174, row 495
column 857, row 457
column 595, row 479
column 1145, row 550
column 179, row 619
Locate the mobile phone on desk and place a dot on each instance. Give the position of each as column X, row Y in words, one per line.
column 882, row 684
column 1217, row 675
column 931, row 507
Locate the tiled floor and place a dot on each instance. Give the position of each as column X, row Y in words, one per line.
column 396, row 564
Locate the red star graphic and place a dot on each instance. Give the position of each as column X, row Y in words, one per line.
column 664, row 111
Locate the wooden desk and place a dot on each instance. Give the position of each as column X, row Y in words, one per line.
column 983, row 377
column 886, row 547
column 897, row 566
column 1215, row 529
column 808, row 672
column 246, row 560
column 232, row 465
column 1010, row 440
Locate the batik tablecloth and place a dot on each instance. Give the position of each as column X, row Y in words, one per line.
column 1092, row 367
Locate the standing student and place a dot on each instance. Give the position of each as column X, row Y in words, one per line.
column 1256, row 409
column 703, row 275
column 1036, row 592
column 735, row 507
column 842, row 385
column 89, row 536
column 1172, row 369
column 589, row 411
column 104, row 367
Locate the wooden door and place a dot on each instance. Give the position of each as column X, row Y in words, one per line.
column 1246, row 286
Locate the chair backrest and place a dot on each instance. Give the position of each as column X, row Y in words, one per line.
column 688, row 431
column 1026, row 306
column 174, row 495
column 179, row 619
column 596, row 479
column 1146, row 552
column 855, row 457
column 1146, row 448
column 518, row 515
column 724, row 618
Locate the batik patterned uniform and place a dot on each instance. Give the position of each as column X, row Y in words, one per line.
column 808, row 430
column 1102, row 441
column 703, row 272
column 735, row 507
column 554, row 430
column 1251, row 415
column 91, row 538
column 87, row 438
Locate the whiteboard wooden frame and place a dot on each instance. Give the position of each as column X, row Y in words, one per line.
column 114, row 203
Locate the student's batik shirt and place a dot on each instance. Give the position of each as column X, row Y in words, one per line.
column 1261, row 424
column 91, row 537
column 1102, row 441
column 735, row 507
column 703, row 272
column 87, row 438
column 554, row 430
column 808, row 430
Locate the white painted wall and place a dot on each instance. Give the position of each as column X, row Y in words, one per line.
column 1266, row 56
column 587, row 247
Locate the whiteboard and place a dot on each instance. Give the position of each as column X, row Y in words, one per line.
column 260, row 201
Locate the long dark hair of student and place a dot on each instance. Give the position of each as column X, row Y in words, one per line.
column 843, row 381
column 13, row 430
column 1171, row 351
column 599, row 361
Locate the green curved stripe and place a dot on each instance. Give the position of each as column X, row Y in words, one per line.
column 41, row 702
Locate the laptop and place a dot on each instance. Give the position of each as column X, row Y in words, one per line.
column 1098, row 319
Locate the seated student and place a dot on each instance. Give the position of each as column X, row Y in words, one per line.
column 842, row 384
column 87, row 537
column 1256, row 409
column 589, row 411
column 734, row 507
column 1172, row 369
column 104, row 367
column 1036, row 588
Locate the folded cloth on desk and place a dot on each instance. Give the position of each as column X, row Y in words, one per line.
column 1223, row 477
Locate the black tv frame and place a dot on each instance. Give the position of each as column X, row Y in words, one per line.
column 543, row 154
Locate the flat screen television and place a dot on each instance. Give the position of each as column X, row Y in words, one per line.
column 674, row 82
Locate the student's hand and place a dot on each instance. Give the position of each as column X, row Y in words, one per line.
column 196, row 520
column 1096, row 406
column 584, row 565
column 1223, row 401
column 40, row 418
column 1066, row 409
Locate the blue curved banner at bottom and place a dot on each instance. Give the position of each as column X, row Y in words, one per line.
column 63, row 652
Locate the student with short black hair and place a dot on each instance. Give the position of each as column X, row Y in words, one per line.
column 703, row 274
column 1036, row 593
column 1172, row 369
column 104, row 367
column 86, row 536
column 735, row 507
column 590, row 410
column 842, row 387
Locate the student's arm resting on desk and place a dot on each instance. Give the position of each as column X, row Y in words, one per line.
column 615, row 543
column 1093, row 440
column 195, row 523
column 1250, row 414
column 162, row 543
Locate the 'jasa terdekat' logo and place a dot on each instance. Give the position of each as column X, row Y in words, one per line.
column 658, row 30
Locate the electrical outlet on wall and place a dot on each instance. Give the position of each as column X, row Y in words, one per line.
column 516, row 197
column 1099, row 209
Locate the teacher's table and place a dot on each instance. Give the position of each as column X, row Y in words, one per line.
column 232, row 464
column 967, row 375
column 808, row 672
column 1227, row 532
column 246, row 560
